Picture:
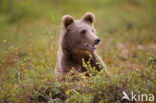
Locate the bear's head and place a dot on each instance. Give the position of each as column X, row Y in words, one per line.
column 79, row 35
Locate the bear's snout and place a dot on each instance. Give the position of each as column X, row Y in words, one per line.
column 97, row 41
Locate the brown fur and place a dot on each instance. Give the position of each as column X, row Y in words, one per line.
column 73, row 45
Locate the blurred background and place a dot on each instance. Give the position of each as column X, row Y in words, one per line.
column 113, row 18
column 29, row 31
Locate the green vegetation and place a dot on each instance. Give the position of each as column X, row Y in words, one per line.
column 29, row 31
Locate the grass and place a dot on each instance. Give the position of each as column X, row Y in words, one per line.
column 28, row 46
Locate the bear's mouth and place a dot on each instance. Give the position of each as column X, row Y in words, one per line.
column 91, row 47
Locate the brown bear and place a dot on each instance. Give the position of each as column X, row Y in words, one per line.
column 77, row 41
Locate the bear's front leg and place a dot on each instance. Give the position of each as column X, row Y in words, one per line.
column 98, row 63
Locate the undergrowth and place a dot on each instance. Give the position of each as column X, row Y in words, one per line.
column 27, row 60
column 32, row 81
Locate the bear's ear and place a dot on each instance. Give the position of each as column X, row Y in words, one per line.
column 67, row 20
column 89, row 17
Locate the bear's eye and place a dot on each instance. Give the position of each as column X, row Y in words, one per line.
column 83, row 32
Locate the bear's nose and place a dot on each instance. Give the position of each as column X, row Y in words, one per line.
column 97, row 41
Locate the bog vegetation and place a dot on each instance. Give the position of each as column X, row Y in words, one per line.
column 29, row 32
